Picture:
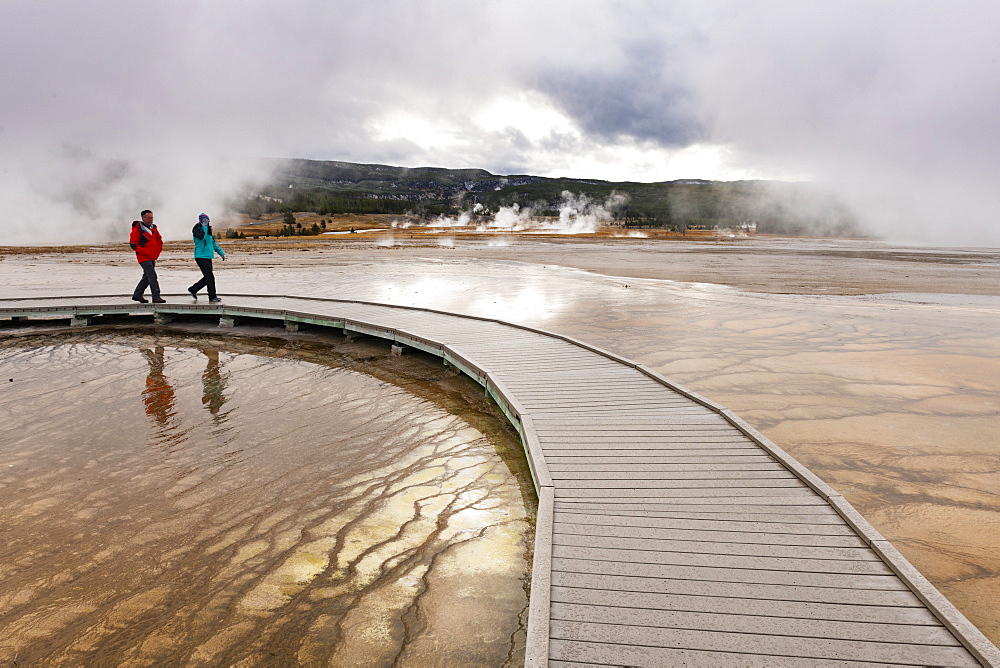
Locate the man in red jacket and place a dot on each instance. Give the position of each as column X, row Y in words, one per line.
column 147, row 243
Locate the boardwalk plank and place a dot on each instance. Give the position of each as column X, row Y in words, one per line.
column 690, row 474
column 814, row 531
column 604, row 591
column 683, row 482
column 801, row 565
column 706, row 533
column 605, row 410
column 691, row 545
column 559, row 407
column 640, row 443
column 654, row 423
column 706, row 453
column 562, row 457
column 762, row 644
column 735, row 621
column 580, row 471
column 578, row 653
column 694, row 434
column 700, row 505
column 598, row 402
column 770, row 495
column 736, row 592
column 724, row 571
column 810, row 513
column 694, row 438
column 675, row 450
column 664, row 396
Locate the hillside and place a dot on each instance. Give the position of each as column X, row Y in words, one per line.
column 329, row 187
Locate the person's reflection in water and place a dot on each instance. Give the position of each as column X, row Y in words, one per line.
column 158, row 396
column 213, row 384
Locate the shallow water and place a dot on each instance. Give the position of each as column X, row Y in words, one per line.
column 893, row 399
column 169, row 500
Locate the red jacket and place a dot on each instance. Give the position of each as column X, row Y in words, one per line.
column 146, row 246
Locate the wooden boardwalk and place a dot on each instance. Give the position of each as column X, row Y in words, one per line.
column 669, row 531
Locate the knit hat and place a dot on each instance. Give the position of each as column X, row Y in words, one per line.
column 203, row 218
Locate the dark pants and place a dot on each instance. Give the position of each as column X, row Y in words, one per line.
column 207, row 277
column 148, row 280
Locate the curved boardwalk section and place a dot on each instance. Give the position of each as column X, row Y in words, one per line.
column 669, row 531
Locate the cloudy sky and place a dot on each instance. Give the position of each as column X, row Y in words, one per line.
column 109, row 107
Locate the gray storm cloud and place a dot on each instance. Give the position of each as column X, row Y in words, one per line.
column 112, row 107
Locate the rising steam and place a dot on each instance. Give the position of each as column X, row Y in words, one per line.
column 578, row 214
column 76, row 195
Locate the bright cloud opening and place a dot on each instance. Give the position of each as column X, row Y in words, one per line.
column 425, row 133
column 532, row 115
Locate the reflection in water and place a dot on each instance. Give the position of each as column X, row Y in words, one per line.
column 158, row 395
column 337, row 520
column 509, row 304
column 213, row 383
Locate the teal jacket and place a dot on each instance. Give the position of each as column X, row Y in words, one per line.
column 204, row 243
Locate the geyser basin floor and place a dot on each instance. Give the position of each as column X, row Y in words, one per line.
column 895, row 404
column 172, row 499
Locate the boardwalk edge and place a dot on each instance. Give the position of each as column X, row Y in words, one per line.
column 536, row 646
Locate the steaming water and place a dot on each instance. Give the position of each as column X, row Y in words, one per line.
column 578, row 214
column 165, row 501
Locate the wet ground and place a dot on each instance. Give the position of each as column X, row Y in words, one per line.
column 186, row 499
column 876, row 366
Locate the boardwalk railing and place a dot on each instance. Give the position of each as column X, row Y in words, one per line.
column 668, row 530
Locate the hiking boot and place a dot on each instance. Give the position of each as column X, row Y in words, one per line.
column 215, row 300
column 159, row 301
column 141, row 300
column 194, row 294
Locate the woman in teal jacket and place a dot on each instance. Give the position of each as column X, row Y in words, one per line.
column 205, row 249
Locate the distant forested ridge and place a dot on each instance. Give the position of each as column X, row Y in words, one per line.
column 329, row 187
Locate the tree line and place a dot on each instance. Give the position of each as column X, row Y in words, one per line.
column 323, row 204
column 775, row 207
